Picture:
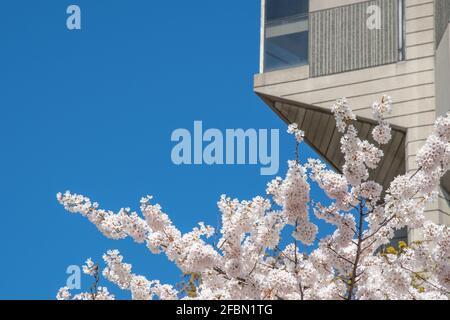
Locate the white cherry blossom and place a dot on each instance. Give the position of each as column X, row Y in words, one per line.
column 245, row 257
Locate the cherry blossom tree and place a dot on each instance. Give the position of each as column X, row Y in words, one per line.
column 248, row 262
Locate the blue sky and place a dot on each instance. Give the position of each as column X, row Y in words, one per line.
column 92, row 111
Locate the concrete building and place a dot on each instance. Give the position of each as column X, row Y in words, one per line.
column 315, row 51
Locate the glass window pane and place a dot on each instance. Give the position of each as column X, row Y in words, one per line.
column 277, row 9
column 286, row 34
column 286, row 51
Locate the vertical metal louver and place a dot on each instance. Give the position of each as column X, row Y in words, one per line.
column 340, row 39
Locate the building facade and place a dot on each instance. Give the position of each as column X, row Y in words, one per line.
column 316, row 51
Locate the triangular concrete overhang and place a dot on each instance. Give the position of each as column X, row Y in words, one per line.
column 321, row 134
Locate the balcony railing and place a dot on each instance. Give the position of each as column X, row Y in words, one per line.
column 333, row 40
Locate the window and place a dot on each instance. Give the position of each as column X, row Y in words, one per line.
column 286, row 34
column 279, row 9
